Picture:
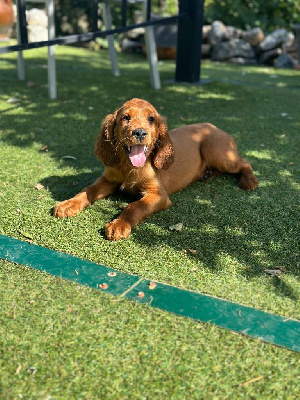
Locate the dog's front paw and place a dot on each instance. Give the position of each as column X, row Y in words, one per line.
column 117, row 229
column 67, row 208
column 248, row 182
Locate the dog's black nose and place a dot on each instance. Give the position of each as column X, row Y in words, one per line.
column 139, row 134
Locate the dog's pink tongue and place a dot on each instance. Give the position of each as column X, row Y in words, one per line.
column 137, row 155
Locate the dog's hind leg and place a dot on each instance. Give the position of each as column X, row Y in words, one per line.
column 220, row 154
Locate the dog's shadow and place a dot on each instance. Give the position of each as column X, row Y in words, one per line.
column 65, row 187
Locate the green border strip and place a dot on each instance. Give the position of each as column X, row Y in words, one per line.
column 249, row 321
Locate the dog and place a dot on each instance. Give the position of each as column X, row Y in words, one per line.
column 142, row 157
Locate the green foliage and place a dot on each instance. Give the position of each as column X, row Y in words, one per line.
column 69, row 13
column 247, row 14
column 243, row 14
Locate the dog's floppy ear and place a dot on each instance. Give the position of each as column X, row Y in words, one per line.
column 105, row 147
column 163, row 152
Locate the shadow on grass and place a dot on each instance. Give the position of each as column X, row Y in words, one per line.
column 251, row 231
column 245, row 231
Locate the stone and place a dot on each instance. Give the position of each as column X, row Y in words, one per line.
column 205, row 31
column 232, row 48
column 276, row 39
column 285, row 61
column 253, row 36
column 205, row 50
column 232, row 33
column 217, row 32
column 267, row 57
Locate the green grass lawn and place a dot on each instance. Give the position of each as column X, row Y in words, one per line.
column 59, row 340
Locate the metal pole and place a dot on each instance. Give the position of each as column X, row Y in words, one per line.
column 189, row 41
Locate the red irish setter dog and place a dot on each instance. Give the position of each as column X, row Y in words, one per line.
column 141, row 156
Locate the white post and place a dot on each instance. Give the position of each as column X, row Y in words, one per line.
column 110, row 39
column 151, row 52
column 51, row 51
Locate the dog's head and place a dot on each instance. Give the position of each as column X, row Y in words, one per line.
column 135, row 133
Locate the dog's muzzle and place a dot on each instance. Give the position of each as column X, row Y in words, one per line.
column 140, row 134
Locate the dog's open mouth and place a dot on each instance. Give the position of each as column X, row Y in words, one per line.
column 137, row 154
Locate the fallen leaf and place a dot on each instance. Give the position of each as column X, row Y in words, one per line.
column 32, row 370
column 39, row 186
column 192, row 251
column 31, row 84
column 273, row 272
column 104, row 286
column 68, row 158
column 177, row 227
column 280, row 269
column 252, row 380
column 45, row 148
column 13, row 100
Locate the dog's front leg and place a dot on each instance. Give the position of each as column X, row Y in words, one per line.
column 98, row 190
column 135, row 213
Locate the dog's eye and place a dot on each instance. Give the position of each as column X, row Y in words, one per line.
column 151, row 119
column 126, row 118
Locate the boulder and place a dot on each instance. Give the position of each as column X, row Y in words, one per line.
column 253, row 36
column 232, row 33
column 285, row 61
column 205, row 31
column 267, row 57
column 276, row 39
column 233, row 48
column 217, row 32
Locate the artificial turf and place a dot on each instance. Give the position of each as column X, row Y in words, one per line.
column 60, row 340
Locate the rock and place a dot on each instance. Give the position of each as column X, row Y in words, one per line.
column 285, row 61
column 232, row 33
column 269, row 56
column 233, row 48
column 276, row 39
column 254, row 36
column 205, row 31
column 217, row 32
column 205, row 50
